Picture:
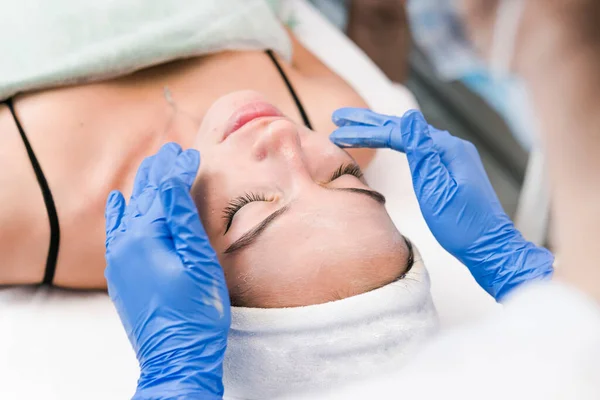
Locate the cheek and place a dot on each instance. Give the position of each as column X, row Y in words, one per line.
column 238, row 279
column 322, row 156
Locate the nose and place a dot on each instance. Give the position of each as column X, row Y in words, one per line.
column 281, row 142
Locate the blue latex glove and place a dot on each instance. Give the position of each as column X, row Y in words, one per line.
column 455, row 196
column 166, row 282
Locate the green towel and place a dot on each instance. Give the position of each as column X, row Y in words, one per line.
column 51, row 43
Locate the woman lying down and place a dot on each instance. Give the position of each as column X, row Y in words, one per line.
column 324, row 288
column 313, row 262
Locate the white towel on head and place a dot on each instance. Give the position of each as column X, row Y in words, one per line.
column 301, row 351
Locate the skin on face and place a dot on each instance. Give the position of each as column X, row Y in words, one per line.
column 324, row 240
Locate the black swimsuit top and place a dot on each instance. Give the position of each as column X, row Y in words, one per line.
column 47, row 194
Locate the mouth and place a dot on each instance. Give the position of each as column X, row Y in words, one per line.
column 247, row 113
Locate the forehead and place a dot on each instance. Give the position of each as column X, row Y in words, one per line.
column 338, row 228
column 313, row 260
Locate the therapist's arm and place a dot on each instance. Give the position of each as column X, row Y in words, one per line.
column 559, row 58
column 545, row 344
column 455, row 197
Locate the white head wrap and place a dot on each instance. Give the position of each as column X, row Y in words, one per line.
column 302, row 351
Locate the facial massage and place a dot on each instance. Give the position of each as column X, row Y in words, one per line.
column 206, row 200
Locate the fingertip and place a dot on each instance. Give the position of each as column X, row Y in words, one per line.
column 346, row 137
column 414, row 130
column 413, row 113
column 114, row 197
column 170, row 147
column 338, row 133
column 113, row 213
column 339, row 116
column 193, row 158
column 141, row 177
column 111, row 197
column 339, row 141
column 164, row 162
column 413, row 119
column 185, row 168
column 147, row 162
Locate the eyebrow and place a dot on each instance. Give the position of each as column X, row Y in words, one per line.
column 253, row 234
column 378, row 197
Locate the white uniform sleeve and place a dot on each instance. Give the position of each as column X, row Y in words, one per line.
column 544, row 345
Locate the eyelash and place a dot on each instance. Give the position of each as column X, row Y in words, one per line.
column 236, row 204
column 346, row 169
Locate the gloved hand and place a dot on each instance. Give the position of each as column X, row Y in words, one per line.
column 166, row 282
column 455, row 196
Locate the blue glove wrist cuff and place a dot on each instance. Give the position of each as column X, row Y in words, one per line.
column 176, row 395
column 175, row 390
column 530, row 264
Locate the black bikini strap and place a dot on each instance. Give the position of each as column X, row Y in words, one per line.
column 291, row 89
column 48, row 201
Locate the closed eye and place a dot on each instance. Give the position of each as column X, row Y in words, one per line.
column 346, row 169
column 236, row 204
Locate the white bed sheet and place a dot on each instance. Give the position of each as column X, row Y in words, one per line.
column 64, row 345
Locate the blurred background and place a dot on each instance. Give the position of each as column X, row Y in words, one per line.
column 454, row 93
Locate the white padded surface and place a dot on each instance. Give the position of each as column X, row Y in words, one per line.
column 67, row 345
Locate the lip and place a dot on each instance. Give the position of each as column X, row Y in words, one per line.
column 247, row 113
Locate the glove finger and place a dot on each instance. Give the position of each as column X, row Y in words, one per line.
column 359, row 116
column 448, row 147
column 364, row 136
column 459, row 156
column 192, row 244
column 189, row 237
column 163, row 163
column 115, row 205
column 139, row 184
column 165, row 159
column 441, row 137
column 431, row 179
column 185, row 168
column 141, row 178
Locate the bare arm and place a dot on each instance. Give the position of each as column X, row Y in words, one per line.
column 559, row 57
column 558, row 54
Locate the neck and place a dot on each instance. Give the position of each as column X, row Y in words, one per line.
column 565, row 89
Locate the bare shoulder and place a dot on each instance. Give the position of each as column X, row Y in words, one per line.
column 24, row 231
